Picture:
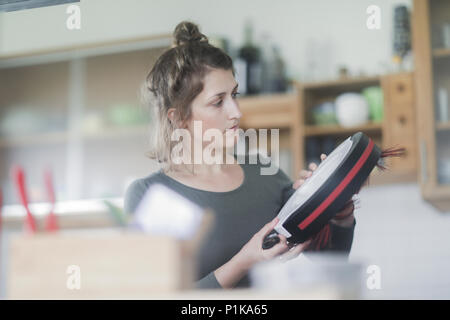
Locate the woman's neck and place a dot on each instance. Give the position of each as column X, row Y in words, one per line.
column 203, row 169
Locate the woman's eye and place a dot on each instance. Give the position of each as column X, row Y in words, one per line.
column 219, row 103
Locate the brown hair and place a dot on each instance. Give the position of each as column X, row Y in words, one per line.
column 174, row 82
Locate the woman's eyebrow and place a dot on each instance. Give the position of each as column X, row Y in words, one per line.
column 222, row 93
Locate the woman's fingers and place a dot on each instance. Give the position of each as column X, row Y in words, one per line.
column 305, row 174
column 345, row 217
column 294, row 251
column 346, row 210
column 268, row 228
column 279, row 248
column 298, row 183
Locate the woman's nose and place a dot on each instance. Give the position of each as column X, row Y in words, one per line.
column 234, row 110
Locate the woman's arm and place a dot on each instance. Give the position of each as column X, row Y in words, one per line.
column 229, row 274
column 251, row 253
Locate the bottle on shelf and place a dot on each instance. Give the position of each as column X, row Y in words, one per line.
column 273, row 70
column 248, row 64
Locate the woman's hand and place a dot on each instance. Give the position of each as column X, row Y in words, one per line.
column 252, row 253
column 305, row 174
column 343, row 218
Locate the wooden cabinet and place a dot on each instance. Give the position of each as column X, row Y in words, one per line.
column 292, row 114
column 399, row 127
column 431, row 45
column 395, row 129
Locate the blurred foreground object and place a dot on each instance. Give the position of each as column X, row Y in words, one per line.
column 51, row 224
column 330, row 273
column 111, row 263
column 163, row 211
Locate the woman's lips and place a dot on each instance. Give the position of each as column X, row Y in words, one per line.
column 233, row 128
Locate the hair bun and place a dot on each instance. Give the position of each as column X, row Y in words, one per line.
column 187, row 32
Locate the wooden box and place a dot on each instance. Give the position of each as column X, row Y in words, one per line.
column 97, row 265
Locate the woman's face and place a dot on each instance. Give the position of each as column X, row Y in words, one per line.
column 216, row 107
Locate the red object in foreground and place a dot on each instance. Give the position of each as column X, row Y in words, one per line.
column 51, row 223
column 19, row 178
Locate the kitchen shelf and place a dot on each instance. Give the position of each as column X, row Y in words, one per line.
column 32, row 140
column 267, row 111
column 431, row 67
column 95, row 78
column 316, row 130
column 63, row 136
column 341, row 82
column 118, row 132
column 441, row 53
column 443, row 126
column 88, row 213
column 396, row 129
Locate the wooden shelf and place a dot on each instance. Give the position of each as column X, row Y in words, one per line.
column 340, row 82
column 430, row 72
column 36, row 139
column 315, row 130
column 443, row 126
column 119, row 132
column 397, row 127
column 62, row 137
column 441, row 53
column 267, row 111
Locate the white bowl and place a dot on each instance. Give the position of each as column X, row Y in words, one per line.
column 352, row 109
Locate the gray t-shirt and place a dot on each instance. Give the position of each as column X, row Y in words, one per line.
column 238, row 215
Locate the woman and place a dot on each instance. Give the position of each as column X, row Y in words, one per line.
column 193, row 89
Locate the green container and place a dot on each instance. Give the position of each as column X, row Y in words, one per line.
column 125, row 115
column 374, row 97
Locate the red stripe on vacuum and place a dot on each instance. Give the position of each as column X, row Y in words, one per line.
column 336, row 192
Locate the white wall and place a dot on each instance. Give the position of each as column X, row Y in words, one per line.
column 407, row 238
column 332, row 32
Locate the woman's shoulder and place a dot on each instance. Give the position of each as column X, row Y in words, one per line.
column 136, row 190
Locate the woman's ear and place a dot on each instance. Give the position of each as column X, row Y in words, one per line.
column 171, row 114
